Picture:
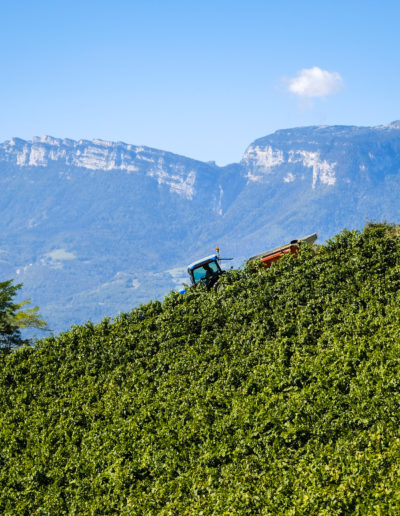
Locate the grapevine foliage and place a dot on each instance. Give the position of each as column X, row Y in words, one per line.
column 277, row 394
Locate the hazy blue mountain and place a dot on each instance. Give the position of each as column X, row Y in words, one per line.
column 318, row 179
column 93, row 228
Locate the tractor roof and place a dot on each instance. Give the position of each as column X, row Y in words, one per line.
column 198, row 263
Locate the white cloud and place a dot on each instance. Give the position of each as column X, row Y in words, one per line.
column 314, row 82
column 60, row 255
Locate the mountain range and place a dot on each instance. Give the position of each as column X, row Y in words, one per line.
column 93, row 228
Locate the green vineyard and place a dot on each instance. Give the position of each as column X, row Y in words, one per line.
column 277, row 394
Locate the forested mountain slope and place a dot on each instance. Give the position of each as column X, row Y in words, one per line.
column 93, row 228
column 277, row 394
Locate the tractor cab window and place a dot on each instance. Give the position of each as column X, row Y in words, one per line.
column 205, row 272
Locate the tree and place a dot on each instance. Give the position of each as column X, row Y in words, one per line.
column 14, row 316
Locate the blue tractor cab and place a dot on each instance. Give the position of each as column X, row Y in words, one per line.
column 206, row 271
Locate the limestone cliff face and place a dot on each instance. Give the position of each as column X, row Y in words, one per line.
column 324, row 155
column 178, row 172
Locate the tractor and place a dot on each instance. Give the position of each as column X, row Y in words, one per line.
column 207, row 271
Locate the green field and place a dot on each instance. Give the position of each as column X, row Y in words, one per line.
column 277, row 394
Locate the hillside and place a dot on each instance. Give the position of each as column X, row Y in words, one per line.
column 278, row 394
column 93, row 228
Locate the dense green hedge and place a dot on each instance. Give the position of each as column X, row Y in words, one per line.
column 278, row 394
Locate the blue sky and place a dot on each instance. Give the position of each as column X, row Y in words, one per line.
column 199, row 78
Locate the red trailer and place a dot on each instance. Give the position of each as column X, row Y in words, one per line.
column 273, row 255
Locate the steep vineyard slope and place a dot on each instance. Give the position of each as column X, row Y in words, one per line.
column 278, row 394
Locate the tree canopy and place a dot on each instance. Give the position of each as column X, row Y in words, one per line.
column 14, row 316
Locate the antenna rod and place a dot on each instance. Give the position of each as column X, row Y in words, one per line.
column 218, row 256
